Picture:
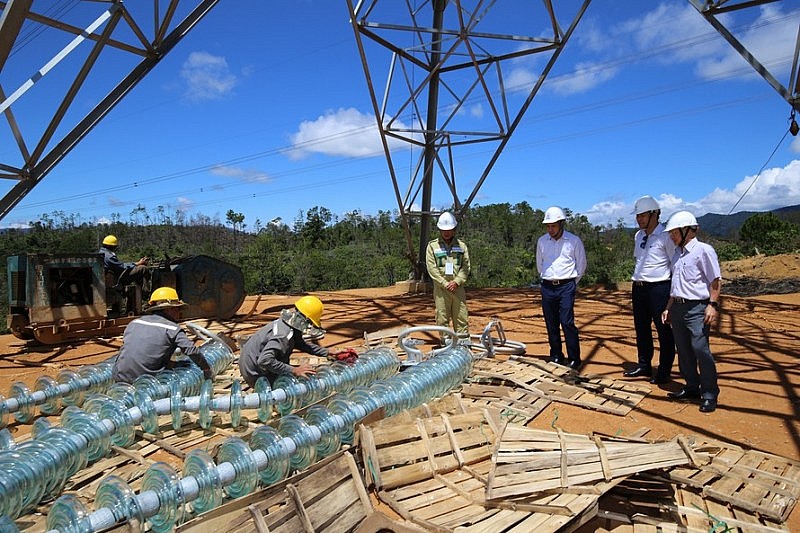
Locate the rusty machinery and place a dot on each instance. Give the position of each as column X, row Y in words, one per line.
column 55, row 298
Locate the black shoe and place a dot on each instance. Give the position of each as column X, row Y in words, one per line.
column 684, row 394
column 659, row 379
column 559, row 360
column 638, row 372
column 574, row 365
column 708, row 406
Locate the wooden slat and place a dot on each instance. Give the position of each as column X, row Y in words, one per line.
column 327, row 497
column 546, row 381
column 528, row 461
column 751, row 480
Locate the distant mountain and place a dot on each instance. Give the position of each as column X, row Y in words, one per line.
column 728, row 226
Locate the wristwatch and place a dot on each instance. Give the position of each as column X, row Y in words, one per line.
column 715, row 305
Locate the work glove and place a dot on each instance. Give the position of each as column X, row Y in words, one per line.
column 347, row 355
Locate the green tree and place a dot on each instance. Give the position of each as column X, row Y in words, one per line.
column 766, row 233
column 235, row 219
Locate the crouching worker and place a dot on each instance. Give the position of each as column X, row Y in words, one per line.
column 149, row 342
column 267, row 352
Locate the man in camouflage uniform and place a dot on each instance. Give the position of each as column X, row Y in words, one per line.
column 447, row 260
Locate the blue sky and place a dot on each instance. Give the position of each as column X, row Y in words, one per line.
column 263, row 108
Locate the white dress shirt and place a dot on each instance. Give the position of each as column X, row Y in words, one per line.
column 653, row 254
column 560, row 259
column 694, row 268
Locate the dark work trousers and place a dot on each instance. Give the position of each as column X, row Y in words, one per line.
column 558, row 303
column 691, row 340
column 649, row 301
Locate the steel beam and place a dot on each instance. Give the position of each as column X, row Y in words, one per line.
column 37, row 163
column 710, row 9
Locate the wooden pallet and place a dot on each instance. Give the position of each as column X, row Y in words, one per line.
column 433, row 472
column 530, row 461
column 384, row 337
column 398, row 454
column 329, row 496
column 646, row 503
column 750, row 480
column 559, row 384
column 704, row 513
column 516, row 405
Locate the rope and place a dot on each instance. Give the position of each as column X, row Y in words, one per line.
column 716, row 524
column 555, row 417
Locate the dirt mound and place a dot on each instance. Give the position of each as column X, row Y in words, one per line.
column 754, row 276
column 776, row 267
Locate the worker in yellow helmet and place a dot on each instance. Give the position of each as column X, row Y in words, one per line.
column 267, row 352
column 124, row 273
column 149, row 342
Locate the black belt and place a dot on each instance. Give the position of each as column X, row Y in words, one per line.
column 556, row 282
column 650, row 283
column 686, row 301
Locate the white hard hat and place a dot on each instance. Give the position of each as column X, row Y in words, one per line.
column 553, row 214
column 645, row 204
column 446, row 221
column 681, row 219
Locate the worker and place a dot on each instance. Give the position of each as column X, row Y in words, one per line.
column 124, row 273
column 652, row 253
column 447, row 261
column 561, row 262
column 267, row 352
column 692, row 307
column 149, row 342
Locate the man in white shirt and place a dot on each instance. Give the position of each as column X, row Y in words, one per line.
column 692, row 307
column 653, row 251
column 561, row 262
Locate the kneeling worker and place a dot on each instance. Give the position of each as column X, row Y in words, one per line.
column 149, row 342
column 267, row 352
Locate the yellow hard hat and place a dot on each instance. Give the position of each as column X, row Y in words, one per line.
column 110, row 240
column 311, row 307
column 165, row 297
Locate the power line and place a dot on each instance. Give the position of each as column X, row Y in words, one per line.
column 759, row 172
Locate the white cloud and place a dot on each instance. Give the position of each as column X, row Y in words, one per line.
column 681, row 35
column 608, row 212
column 795, row 146
column 520, row 79
column 15, row 225
column 590, row 37
column 207, row 77
column 677, row 31
column 344, row 132
column 243, row 174
column 583, row 78
column 774, row 188
column 184, row 204
column 476, row 111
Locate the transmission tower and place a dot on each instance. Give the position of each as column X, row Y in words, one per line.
column 445, row 62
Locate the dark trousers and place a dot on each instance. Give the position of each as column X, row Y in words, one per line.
column 558, row 302
column 694, row 353
column 649, row 301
